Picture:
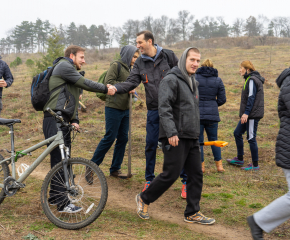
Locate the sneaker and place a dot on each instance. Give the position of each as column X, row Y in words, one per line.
column 119, row 174
column 147, row 184
column 199, row 218
column 183, row 190
column 250, row 167
column 89, row 175
column 71, row 208
column 235, row 161
column 256, row 231
column 142, row 208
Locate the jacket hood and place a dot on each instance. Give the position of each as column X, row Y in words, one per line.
column 176, row 71
column 207, row 72
column 182, row 66
column 255, row 74
column 58, row 59
column 127, row 53
column 282, row 77
column 158, row 48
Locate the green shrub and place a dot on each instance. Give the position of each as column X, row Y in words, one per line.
column 96, row 67
column 29, row 62
column 18, row 61
column 256, row 205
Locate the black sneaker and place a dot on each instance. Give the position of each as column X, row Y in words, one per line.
column 199, row 218
column 71, row 208
column 256, row 231
column 142, row 208
column 89, row 175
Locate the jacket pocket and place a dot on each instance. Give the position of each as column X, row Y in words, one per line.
column 144, row 76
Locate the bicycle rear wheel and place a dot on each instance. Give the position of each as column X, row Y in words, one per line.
column 90, row 193
column 4, row 173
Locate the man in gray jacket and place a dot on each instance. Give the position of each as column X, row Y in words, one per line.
column 178, row 108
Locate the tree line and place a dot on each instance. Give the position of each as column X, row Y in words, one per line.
column 33, row 36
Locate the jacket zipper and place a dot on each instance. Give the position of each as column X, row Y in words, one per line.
column 66, row 103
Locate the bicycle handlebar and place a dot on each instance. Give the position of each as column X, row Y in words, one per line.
column 60, row 118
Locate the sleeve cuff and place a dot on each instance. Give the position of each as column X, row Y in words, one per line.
column 75, row 121
column 106, row 89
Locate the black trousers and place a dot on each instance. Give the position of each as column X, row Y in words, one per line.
column 56, row 189
column 186, row 155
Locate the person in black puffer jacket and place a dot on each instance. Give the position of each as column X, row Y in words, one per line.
column 251, row 111
column 211, row 96
column 277, row 212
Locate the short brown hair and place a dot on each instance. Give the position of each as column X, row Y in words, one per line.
column 248, row 65
column 73, row 49
column 207, row 63
column 147, row 35
column 192, row 50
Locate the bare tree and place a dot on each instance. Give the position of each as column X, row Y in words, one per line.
column 146, row 24
column 237, row 28
column 184, row 21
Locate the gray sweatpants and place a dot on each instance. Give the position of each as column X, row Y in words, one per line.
column 277, row 212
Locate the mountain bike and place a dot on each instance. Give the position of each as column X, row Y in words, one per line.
column 76, row 181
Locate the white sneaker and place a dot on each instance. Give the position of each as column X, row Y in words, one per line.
column 71, row 208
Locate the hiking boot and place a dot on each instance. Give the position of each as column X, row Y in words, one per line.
column 89, row 175
column 202, row 167
column 71, row 208
column 199, row 218
column 183, row 190
column 142, row 208
column 250, row 167
column 219, row 166
column 236, row 161
column 147, row 184
column 256, row 231
column 119, row 174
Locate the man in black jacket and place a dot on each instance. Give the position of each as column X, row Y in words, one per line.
column 150, row 69
column 179, row 132
column 6, row 79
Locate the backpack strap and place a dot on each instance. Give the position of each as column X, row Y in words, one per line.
column 169, row 57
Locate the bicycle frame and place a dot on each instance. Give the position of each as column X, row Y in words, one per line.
column 54, row 141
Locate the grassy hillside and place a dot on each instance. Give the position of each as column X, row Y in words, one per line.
column 228, row 197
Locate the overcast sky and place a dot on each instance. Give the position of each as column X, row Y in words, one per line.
column 116, row 12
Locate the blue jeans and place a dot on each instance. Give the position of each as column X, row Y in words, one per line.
column 211, row 128
column 152, row 129
column 251, row 127
column 117, row 126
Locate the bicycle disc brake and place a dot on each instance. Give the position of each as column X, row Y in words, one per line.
column 11, row 186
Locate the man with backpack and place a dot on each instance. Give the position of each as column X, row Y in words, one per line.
column 64, row 84
column 150, row 69
column 116, row 113
column 6, row 79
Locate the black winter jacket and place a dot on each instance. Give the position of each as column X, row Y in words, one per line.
column 283, row 138
column 6, row 74
column 178, row 107
column 257, row 111
column 211, row 93
column 150, row 74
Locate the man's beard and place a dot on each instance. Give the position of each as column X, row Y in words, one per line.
column 79, row 67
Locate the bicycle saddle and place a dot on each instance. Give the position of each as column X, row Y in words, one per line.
column 4, row 121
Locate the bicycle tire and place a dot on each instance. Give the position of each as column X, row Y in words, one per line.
column 92, row 196
column 4, row 173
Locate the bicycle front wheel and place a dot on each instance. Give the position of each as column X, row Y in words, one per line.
column 85, row 200
column 4, row 173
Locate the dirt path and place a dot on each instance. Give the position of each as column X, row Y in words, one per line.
column 121, row 197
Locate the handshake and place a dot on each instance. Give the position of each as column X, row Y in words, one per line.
column 111, row 89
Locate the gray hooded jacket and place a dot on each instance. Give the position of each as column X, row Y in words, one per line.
column 178, row 103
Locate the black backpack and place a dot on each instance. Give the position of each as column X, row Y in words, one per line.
column 169, row 56
column 40, row 90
